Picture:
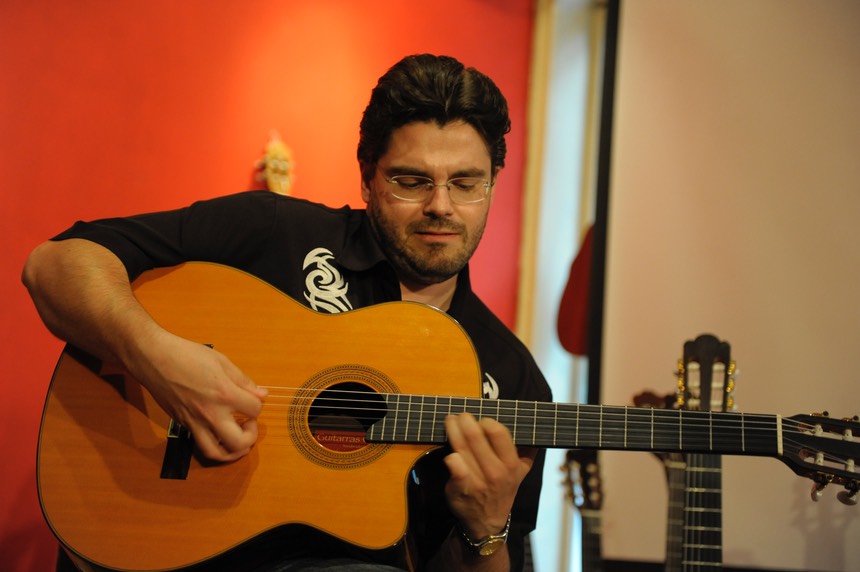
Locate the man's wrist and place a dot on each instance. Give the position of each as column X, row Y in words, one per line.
column 488, row 544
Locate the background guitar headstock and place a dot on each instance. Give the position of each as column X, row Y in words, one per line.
column 706, row 375
column 583, row 479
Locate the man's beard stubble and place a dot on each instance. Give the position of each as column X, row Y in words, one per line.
column 414, row 266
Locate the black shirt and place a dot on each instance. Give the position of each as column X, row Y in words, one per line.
column 329, row 260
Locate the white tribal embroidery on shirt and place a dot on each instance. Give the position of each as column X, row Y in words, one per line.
column 325, row 289
column 491, row 388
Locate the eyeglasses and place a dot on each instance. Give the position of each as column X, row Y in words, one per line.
column 461, row 190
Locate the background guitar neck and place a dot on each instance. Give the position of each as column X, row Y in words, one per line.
column 584, row 489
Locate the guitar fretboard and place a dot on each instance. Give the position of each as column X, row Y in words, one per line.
column 419, row 419
column 592, row 553
column 703, row 519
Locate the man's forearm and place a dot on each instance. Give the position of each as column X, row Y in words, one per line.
column 82, row 293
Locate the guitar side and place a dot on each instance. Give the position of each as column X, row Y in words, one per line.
column 103, row 438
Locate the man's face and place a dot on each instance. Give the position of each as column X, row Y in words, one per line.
column 429, row 241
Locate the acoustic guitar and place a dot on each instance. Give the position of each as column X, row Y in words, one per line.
column 355, row 399
column 706, row 382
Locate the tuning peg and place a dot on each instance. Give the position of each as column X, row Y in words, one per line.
column 817, row 491
column 848, row 496
column 848, row 435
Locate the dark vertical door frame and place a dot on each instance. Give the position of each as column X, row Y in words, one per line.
column 601, row 215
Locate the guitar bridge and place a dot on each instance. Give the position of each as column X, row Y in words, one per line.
column 177, row 453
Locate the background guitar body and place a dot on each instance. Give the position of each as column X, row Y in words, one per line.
column 103, row 438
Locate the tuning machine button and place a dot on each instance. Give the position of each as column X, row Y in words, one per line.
column 848, row 496
column 817, row 491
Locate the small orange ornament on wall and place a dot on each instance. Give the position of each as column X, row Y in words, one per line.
column 275, row 169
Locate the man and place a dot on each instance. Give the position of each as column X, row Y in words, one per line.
column 432, row 142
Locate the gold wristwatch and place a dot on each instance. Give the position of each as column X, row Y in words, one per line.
column 489, row 544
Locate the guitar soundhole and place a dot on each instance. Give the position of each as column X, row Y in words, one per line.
column 332, row 411
column 341, row 415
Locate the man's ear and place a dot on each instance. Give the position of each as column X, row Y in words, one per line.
column 492, row 191
column 496, row 172
column 365, row 191
column 365, row 188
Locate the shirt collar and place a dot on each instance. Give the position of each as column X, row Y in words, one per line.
column 361, row 251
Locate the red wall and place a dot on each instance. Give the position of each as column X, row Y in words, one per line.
column 119, row 107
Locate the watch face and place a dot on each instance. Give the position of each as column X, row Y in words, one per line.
column 491, row 546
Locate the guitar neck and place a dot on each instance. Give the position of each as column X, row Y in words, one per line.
column 694, row 531
column 419, row 419
column 592, row 552
column 703, row 520
column 676, row 474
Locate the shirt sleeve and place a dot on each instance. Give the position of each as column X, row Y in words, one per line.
column 229, row 230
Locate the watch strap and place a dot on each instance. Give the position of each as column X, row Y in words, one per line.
column 488, row 544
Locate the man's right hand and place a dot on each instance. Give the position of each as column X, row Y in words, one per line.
column 204, row 391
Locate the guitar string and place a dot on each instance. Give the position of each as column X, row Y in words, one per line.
column 720, row 426
column 513, row 407
column 703, row 492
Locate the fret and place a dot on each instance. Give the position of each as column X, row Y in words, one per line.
column 419, row 436
column 472, row 406
column 600, row 427
column 391, row 419
column 507, row 415
column 588, row 423
column 429, row 417
column 613, row 428
column 651, row 440
column 408, row 421
column 545, row 424
column 434, row 417
column 404, row 416
column 516, row 418
column 702, row 565
column 640, row 424
column 707, row 517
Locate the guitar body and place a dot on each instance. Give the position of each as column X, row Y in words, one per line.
column 118, row 496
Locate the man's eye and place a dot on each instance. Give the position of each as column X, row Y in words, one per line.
column 465, row 184
column 411, row 182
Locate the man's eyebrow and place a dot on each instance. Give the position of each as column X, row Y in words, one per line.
column 473, row 172
column 406, row 170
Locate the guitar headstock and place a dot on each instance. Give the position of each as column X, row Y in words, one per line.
column 824, row 449
column 583, row 479
column 706, row 375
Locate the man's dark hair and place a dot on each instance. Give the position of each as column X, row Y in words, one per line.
column 426, row 87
